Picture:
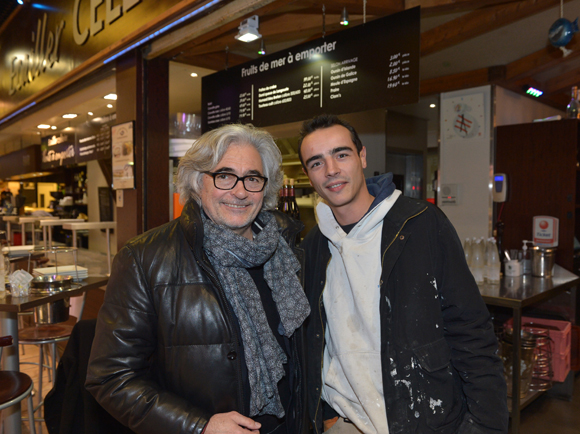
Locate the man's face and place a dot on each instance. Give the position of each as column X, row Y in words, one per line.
column 237, row 208
column 333, row 165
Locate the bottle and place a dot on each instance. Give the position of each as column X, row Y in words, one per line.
column 286, row 203
column 2, row 276
column 573, row 108
column 526, row 258
column 282, row 198
column 478, row 261
column 493, row 264
column 294, row 209
column 467, row 250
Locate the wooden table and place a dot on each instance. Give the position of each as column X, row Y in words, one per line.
column 517, row 293
column 49, row 223
column 93, row 225
column 9, row 309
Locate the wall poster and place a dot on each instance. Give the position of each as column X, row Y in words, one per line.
column 123, row 156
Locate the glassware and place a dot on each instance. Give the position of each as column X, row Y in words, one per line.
column 573, row 108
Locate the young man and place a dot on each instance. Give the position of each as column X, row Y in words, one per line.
column 399, row 338
column 200, row 330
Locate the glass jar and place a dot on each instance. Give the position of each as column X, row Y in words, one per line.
column 528, row 359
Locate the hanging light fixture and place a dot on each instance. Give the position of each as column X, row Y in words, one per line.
column 248, row 29
column 344, row 17
column 262, row 49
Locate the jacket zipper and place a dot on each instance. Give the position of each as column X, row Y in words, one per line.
column 322, row 355
column 397, row 234
column 222, row 294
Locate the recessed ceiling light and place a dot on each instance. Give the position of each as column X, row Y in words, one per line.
column 68, row 129
column 90, row 113
column 53, row 127
column 432, row 105
column 69, row 115
column 193, row 74
column 111, row 96
column 43, row 127
column 109, row 105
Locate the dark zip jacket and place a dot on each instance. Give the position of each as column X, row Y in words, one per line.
column 167, row 353
column 440, row 369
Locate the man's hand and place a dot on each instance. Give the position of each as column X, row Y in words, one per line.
column 231, row 423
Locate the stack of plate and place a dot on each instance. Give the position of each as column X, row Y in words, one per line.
column 64, row 270
column 17, row 251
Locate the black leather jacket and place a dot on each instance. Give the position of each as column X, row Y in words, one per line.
column 167, row 352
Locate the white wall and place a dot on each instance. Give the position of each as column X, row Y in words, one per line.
column 465, row 163
column 512, row 108
column 98, row 239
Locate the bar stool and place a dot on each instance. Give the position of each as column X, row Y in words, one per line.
column 46, row 335
column 15, row 386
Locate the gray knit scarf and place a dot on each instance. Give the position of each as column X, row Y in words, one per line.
column 231, row 254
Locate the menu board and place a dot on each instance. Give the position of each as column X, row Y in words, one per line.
column 93, row 139
column 361, row 68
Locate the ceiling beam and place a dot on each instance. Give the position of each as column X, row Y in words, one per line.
column 373, row 7
column 431, row 7
column 279, row 28
column 542, row 60
column 479, row 22
column 229, row 13
column 463, row 80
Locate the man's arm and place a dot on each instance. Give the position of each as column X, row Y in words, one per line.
column 469, row 332
column 118, row 372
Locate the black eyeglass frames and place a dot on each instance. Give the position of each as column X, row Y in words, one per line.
column 227, row 181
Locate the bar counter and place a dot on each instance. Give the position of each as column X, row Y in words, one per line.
column 517, row 293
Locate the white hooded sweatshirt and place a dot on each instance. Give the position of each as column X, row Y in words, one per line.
column 352, row 375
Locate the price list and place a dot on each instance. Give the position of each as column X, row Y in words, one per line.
column 93, row 139
column 311, row 87
column 338, row 74
column 245, row 110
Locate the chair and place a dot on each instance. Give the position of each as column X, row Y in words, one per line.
column 43, row 335
column 15, row 386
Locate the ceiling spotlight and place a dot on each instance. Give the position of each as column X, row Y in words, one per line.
column 43, row 127
column 432, row 105
column 109, row 105
column 193, row 74
column 262, row 49
column 344, row 17
column 248, row 29
column 111, row 96
column 69, row 128
column 53, row 127
column 69, row 116
column 90, row 113
column 533, row 91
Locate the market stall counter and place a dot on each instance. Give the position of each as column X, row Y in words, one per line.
column 518, row 293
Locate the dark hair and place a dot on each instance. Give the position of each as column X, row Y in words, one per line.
column 326, row 121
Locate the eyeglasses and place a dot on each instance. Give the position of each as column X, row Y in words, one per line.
column 227, row 181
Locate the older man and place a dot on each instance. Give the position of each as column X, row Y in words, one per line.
column 200, row 330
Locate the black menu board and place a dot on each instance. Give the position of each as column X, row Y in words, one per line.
column 362, row 68
column 93, row 139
